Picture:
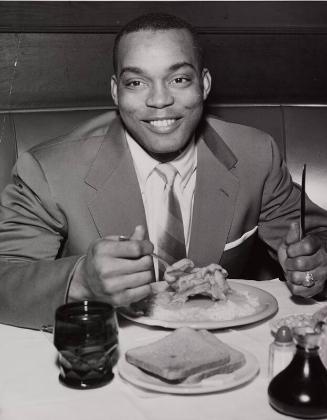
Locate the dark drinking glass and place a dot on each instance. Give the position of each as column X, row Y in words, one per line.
column 86, row 337
column 300, row 390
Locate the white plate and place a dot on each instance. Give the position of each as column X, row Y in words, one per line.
column 216, row 383
column 267, row 306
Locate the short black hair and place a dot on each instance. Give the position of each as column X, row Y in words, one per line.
column 158, row 22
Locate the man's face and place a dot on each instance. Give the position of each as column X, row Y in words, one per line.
column 159, row 89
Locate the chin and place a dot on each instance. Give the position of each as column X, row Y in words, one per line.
column 165, row 155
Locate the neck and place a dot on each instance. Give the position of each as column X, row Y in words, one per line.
column 166, row 157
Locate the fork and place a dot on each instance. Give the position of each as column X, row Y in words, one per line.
column 164, row 262
column 302, row 212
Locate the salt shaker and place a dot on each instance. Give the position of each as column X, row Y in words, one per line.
column 281, row 351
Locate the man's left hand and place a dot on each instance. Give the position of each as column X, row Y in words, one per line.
column 303, row 260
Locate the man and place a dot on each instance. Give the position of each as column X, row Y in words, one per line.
column 73, row 199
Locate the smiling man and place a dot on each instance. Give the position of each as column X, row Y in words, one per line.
column 85, row 212
column 160, row 87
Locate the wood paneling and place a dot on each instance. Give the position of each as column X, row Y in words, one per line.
column 207, row 16
column 56, row 70
column 268, row 68
column 58, row 54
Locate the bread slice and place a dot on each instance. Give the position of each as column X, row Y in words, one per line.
column 178, row 355
column 237, row 360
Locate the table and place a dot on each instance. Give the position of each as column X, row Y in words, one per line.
column 29, row 386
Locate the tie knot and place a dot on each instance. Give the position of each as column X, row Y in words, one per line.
column 168, row 172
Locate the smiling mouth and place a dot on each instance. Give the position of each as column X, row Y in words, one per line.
column 163, row 123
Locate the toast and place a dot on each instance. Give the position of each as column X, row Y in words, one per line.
column 237, row 360
column 187, row 356
column 179, row 355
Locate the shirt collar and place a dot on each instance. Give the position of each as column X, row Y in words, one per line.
column 145, row 164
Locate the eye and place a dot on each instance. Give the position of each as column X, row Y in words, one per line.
column 181, row 80
column 134, row 83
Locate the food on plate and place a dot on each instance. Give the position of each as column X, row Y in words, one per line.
column 190, row 294
column 292, row 321
column 187, row 356
column 310, row 323
column 320, row 317
column 186, row 280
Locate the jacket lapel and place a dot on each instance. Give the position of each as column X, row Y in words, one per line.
column 214, row 201
column 115, row 201
column 114, row 197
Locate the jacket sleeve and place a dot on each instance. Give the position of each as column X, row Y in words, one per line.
column 33, row 229
column 281, row 202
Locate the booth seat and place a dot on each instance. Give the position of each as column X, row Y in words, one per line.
column 299, row 130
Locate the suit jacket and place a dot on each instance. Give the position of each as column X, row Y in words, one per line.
column 75, row 189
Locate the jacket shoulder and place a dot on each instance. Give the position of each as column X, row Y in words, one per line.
column 249, row 145
column 92, row 130
column 231, row 130
column 82, row 142
column 72, row 152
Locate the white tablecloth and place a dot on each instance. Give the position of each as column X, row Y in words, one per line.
column 29, row 386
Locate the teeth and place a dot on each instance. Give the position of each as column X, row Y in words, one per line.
column 162, row 123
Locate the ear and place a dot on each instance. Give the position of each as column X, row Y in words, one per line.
column 206, row 81
column 114, row 89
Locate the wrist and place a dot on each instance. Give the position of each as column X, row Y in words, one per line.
column 78, row 288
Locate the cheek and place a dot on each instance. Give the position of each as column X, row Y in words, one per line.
column 129, row 103
column 192, row 100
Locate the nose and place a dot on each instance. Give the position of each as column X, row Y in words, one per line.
column 159, row 97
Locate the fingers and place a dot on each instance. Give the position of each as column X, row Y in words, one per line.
column 121, row 249
column 129, row 296
column 307, row 246
column 299, row 277
column 139, row 233
column 295, row 246
column 119, row 283
column 119, row 271
column 297, row 281
column 305, row 292
column 292, row 237
column 304, row 262
column 294, row 234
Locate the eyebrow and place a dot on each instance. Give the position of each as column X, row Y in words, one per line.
column 173, row 67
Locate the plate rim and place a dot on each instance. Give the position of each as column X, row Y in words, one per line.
column 251, row 368
column 270, row 308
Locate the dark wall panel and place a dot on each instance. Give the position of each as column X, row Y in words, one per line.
column 206, row 16
column 267, row 67
column 307, row 126
column 56, row 70
column 258, row 52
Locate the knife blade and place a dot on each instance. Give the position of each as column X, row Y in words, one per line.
column 302, row 211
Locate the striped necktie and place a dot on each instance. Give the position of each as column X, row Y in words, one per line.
column 171, row 241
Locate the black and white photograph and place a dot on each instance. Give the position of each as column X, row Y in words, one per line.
column 163, row 210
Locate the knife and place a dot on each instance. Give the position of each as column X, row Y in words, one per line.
column 302, row 212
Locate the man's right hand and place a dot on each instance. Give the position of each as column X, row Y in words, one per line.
column 118, row 272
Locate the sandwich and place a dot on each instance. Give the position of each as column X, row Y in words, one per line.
column 186, row 356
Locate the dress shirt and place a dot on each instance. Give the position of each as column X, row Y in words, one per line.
column 152, row 185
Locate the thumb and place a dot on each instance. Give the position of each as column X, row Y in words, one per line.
column 294, row 234
column 139, row 233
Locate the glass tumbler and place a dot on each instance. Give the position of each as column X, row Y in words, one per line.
column 86, row 337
